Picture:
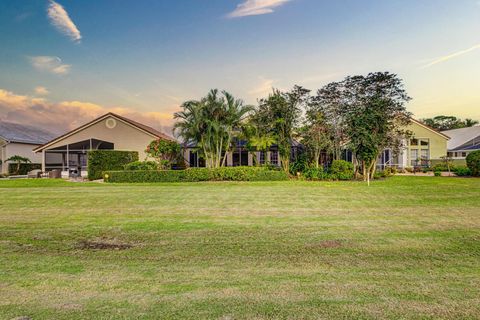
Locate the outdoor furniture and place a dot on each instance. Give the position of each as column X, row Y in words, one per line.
column 55, row 174
column 74, row 172
column 34, row 174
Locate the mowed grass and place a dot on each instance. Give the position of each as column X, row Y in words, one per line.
column 406, row 247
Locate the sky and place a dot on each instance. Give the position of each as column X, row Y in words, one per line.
column 65, row 62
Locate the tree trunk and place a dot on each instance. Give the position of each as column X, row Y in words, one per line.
column 374, row 168
column 317, row 157
column 364, row 170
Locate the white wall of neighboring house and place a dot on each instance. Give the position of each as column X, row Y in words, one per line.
column 21, row 149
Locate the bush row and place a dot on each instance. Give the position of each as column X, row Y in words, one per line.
column 24, row 168
column 339, row 170
column 196, row 174
column 104, row 160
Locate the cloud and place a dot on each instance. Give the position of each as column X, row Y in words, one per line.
column 59, row 19
column 263, row 88
column 23, row 16
column 255, row 8
column 67, row 115
column 50, row 64
column 42, row 91
column 451, row 56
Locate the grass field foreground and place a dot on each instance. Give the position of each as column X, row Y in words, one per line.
column 405, row 247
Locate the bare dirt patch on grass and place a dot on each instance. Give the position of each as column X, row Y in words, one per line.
column 103, row 244
column 326, row 244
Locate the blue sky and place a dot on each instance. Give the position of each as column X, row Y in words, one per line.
column 143, row 58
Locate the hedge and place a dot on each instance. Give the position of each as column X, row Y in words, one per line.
column 104, row 160
column 24, row 168
column 473, row 163
column 197, row 174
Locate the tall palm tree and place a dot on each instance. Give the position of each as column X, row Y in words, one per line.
column 211, row 123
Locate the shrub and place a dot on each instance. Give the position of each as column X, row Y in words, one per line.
column 103, row 160
column 165, row 151
column 390, row 171
column 299, row 165
column 462, row 171
column 437, row 173
column 24, row 168
column 197, row 174
column 473, row 163
column 442, row 167
column 342, row 170
column 314, row 173
column 141, row 165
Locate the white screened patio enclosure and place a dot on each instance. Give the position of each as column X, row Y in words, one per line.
column 71, row 158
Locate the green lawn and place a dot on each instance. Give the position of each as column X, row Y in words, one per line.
column 406, row 247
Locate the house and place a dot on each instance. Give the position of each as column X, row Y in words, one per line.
column 425, row 147
column 19, row 139
column 240, row 156
column 108, row 132
column 462, row 142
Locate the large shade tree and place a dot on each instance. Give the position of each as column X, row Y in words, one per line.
column 375, row 115
column 211, row 122
column 318, row 135
column 279, row 116
column 330, row 102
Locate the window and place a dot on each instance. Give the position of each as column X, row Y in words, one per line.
column 414, row 142
column 262, row 157
column 274, row 158
column 464, row 154
column 424, row 142
column 450, row 154
column 413, row 157
column 424, row 154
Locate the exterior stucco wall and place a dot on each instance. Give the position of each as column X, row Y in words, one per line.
column 20, row 149
column 123, row 136
column 437, row 143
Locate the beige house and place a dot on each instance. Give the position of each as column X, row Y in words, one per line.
column 108, row 132
column 425, row 147
column 19, row 140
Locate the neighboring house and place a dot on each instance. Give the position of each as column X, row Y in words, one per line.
column 19, row 139
column 240, row 156
column 108, row 132
column 425, row 147
column 462, row 142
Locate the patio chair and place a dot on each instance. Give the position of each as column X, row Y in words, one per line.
column 34, row 174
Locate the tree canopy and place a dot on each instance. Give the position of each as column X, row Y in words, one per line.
column 443, row 123
column 211, row 123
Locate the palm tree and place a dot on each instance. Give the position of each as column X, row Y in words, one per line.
column 18, row 160
column 256, row 140
column 212, row 123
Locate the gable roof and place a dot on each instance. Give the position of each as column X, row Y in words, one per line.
column 430, row 128
column 20, row 133
column 462, row 136
column 149, row 130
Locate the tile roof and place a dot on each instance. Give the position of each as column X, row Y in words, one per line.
column 21, row 133
column 460, row 137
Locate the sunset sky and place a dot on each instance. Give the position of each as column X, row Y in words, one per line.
column 63, row 63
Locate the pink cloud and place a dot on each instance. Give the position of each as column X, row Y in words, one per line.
column 67, row 115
